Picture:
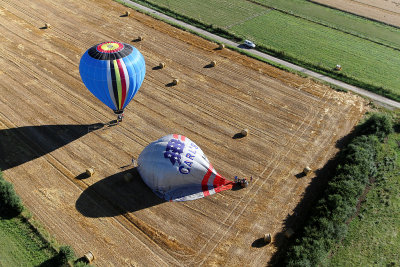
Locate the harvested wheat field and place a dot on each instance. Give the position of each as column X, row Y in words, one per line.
column 52, row 129
column 380, row 10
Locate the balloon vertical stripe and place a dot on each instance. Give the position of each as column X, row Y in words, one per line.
column 118, row 82
column 123, row 82
column 114, row 88
column 110, row 87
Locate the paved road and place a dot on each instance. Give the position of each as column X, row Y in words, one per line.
column 380, row 100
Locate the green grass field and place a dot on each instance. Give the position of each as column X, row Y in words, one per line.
column 374, row 237
column 20, row 246
column 321, row 46
column 310, row 35
column 219, row 13
column 339, row 20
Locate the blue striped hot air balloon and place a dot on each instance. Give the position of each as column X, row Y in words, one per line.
column 113, row 72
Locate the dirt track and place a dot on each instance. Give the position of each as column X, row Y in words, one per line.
column 45, row 145
column 381, row 10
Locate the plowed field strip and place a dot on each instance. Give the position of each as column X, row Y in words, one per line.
column 376, row 7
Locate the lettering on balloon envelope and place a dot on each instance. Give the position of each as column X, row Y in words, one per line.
column 176, row 169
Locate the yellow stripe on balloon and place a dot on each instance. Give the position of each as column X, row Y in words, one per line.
column 118, row 81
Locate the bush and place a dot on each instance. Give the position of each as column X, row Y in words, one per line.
column 358, row 163
column 66, row 254
column 379, row 124
column 10, row 203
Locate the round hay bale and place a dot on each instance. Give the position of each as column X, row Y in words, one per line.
column 127, row 13
column 47, row 25
column 221, row 46
column 175, row 81
column 89, row 257
column 162, row 65
column 140, row 38
column 289, row 232
column 267, row 238
column 244, row 132
column 213, row 63
column 307, row 170
column 128, row 177
column 89, row 171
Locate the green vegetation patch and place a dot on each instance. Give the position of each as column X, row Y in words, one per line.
column 225, row 14
column 10, row 203
column 22, row 242
column 20, row 245
column 343, row 21
column 374, row 237
column 219, row 13
column 362, row 162
column 324, row 48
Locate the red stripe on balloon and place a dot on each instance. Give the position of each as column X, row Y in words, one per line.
column 218, row 180
column 123, row 82
column 183, row 138
column 221, row 184
column 175, row 136
column 204, row 182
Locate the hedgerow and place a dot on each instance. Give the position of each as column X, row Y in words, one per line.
column 359, row 163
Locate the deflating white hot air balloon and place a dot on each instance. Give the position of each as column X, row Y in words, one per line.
column 176, row 169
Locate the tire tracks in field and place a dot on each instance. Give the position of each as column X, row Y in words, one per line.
column 278, row 159
column 204, row 104
column 143, row 227
column 146, row 229
column 208, row 109
column 126, row 220
column 209, row 106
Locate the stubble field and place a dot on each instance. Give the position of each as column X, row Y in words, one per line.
column 45, row 144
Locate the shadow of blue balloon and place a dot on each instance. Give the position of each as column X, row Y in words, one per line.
column 23, row 144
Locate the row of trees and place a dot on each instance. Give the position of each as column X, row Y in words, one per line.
column 359, row 163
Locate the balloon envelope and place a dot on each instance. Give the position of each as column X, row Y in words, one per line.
column 176, row 169
column 113, row 72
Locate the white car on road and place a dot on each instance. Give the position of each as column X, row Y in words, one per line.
column 249, row 44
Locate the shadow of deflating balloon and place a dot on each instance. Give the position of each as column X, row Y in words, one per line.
column 115, row 195
column 23, row 144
